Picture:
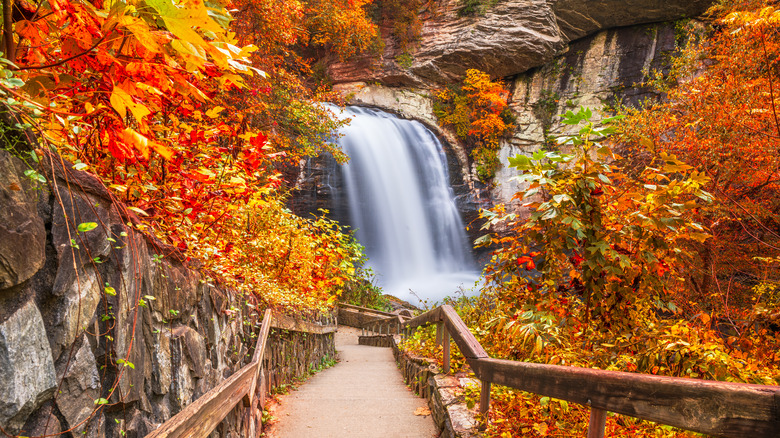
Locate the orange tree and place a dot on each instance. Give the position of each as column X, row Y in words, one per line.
column 478, row 113
column 602, row 244
column 721, row 112
column 165, row 102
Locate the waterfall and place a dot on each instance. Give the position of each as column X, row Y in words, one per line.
column 402, row 206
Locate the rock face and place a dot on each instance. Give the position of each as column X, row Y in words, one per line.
column 27, row 376
column 511, row 37
column 579, row 18
column 600, row 71
column 21, row 230
column 78, row 349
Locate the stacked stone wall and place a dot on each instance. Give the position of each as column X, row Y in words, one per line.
column 107, row 331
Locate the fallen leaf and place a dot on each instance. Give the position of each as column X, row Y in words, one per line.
column 422, row 411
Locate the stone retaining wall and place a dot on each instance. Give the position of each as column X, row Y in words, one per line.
column 291, row 355
column 377, row 341
column 109, row 332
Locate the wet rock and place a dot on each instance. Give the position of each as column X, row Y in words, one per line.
column 22, row 234
column 27, row 375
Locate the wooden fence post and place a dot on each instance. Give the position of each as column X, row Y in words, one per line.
column 439, row 334
column 598, row 421
column 484, row 403
column 446, row 341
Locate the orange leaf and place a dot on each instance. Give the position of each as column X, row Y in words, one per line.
column 143, row 144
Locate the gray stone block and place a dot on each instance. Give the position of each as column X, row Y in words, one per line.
column 27, row 375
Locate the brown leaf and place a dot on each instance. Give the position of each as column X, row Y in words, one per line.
column 422, row 411
column 15, row 187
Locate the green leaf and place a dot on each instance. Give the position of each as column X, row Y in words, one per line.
column 519, row 161
column 550, row 214
column 484, row 240
column 101, row 401
column 126, row 363
column 35, row 176
column 86, row 226
column 110, row 290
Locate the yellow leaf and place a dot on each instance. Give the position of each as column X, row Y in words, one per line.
column 118, row 103
column 214, row 112
column 183, row 18
column 541, row 428
column 138, row 210
column 122, row 101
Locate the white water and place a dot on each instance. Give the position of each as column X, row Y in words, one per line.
column 403, row 208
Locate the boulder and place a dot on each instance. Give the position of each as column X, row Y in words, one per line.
column 22, row 234
column 27, row 374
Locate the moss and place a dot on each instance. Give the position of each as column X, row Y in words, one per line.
column 475, row 7
column 404, row 60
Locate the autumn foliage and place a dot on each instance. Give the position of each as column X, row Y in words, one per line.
column 721, row 113
column 649, row 246
column 189, row 112
column 478, row 112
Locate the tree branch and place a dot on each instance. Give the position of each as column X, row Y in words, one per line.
column 8, row 30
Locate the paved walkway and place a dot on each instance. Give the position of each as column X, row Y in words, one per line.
column 362, row 396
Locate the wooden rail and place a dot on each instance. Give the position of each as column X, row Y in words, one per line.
column 200, row 417
column 720, row 409
column 365, row 310
column 391, row 325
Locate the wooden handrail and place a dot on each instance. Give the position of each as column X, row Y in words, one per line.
column 376, row 325
column 365, row 309
column 200, row 417
column 721, row 409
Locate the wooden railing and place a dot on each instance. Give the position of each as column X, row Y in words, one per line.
column 365, row 310
column 715, row 408
column 200, row 417
column 391, row 325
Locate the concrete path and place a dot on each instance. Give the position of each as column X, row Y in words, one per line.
column 362, row 396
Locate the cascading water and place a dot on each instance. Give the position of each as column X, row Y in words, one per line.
column 403, row 208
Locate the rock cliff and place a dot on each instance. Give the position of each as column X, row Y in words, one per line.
column 599, row 71
column 510, row 37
